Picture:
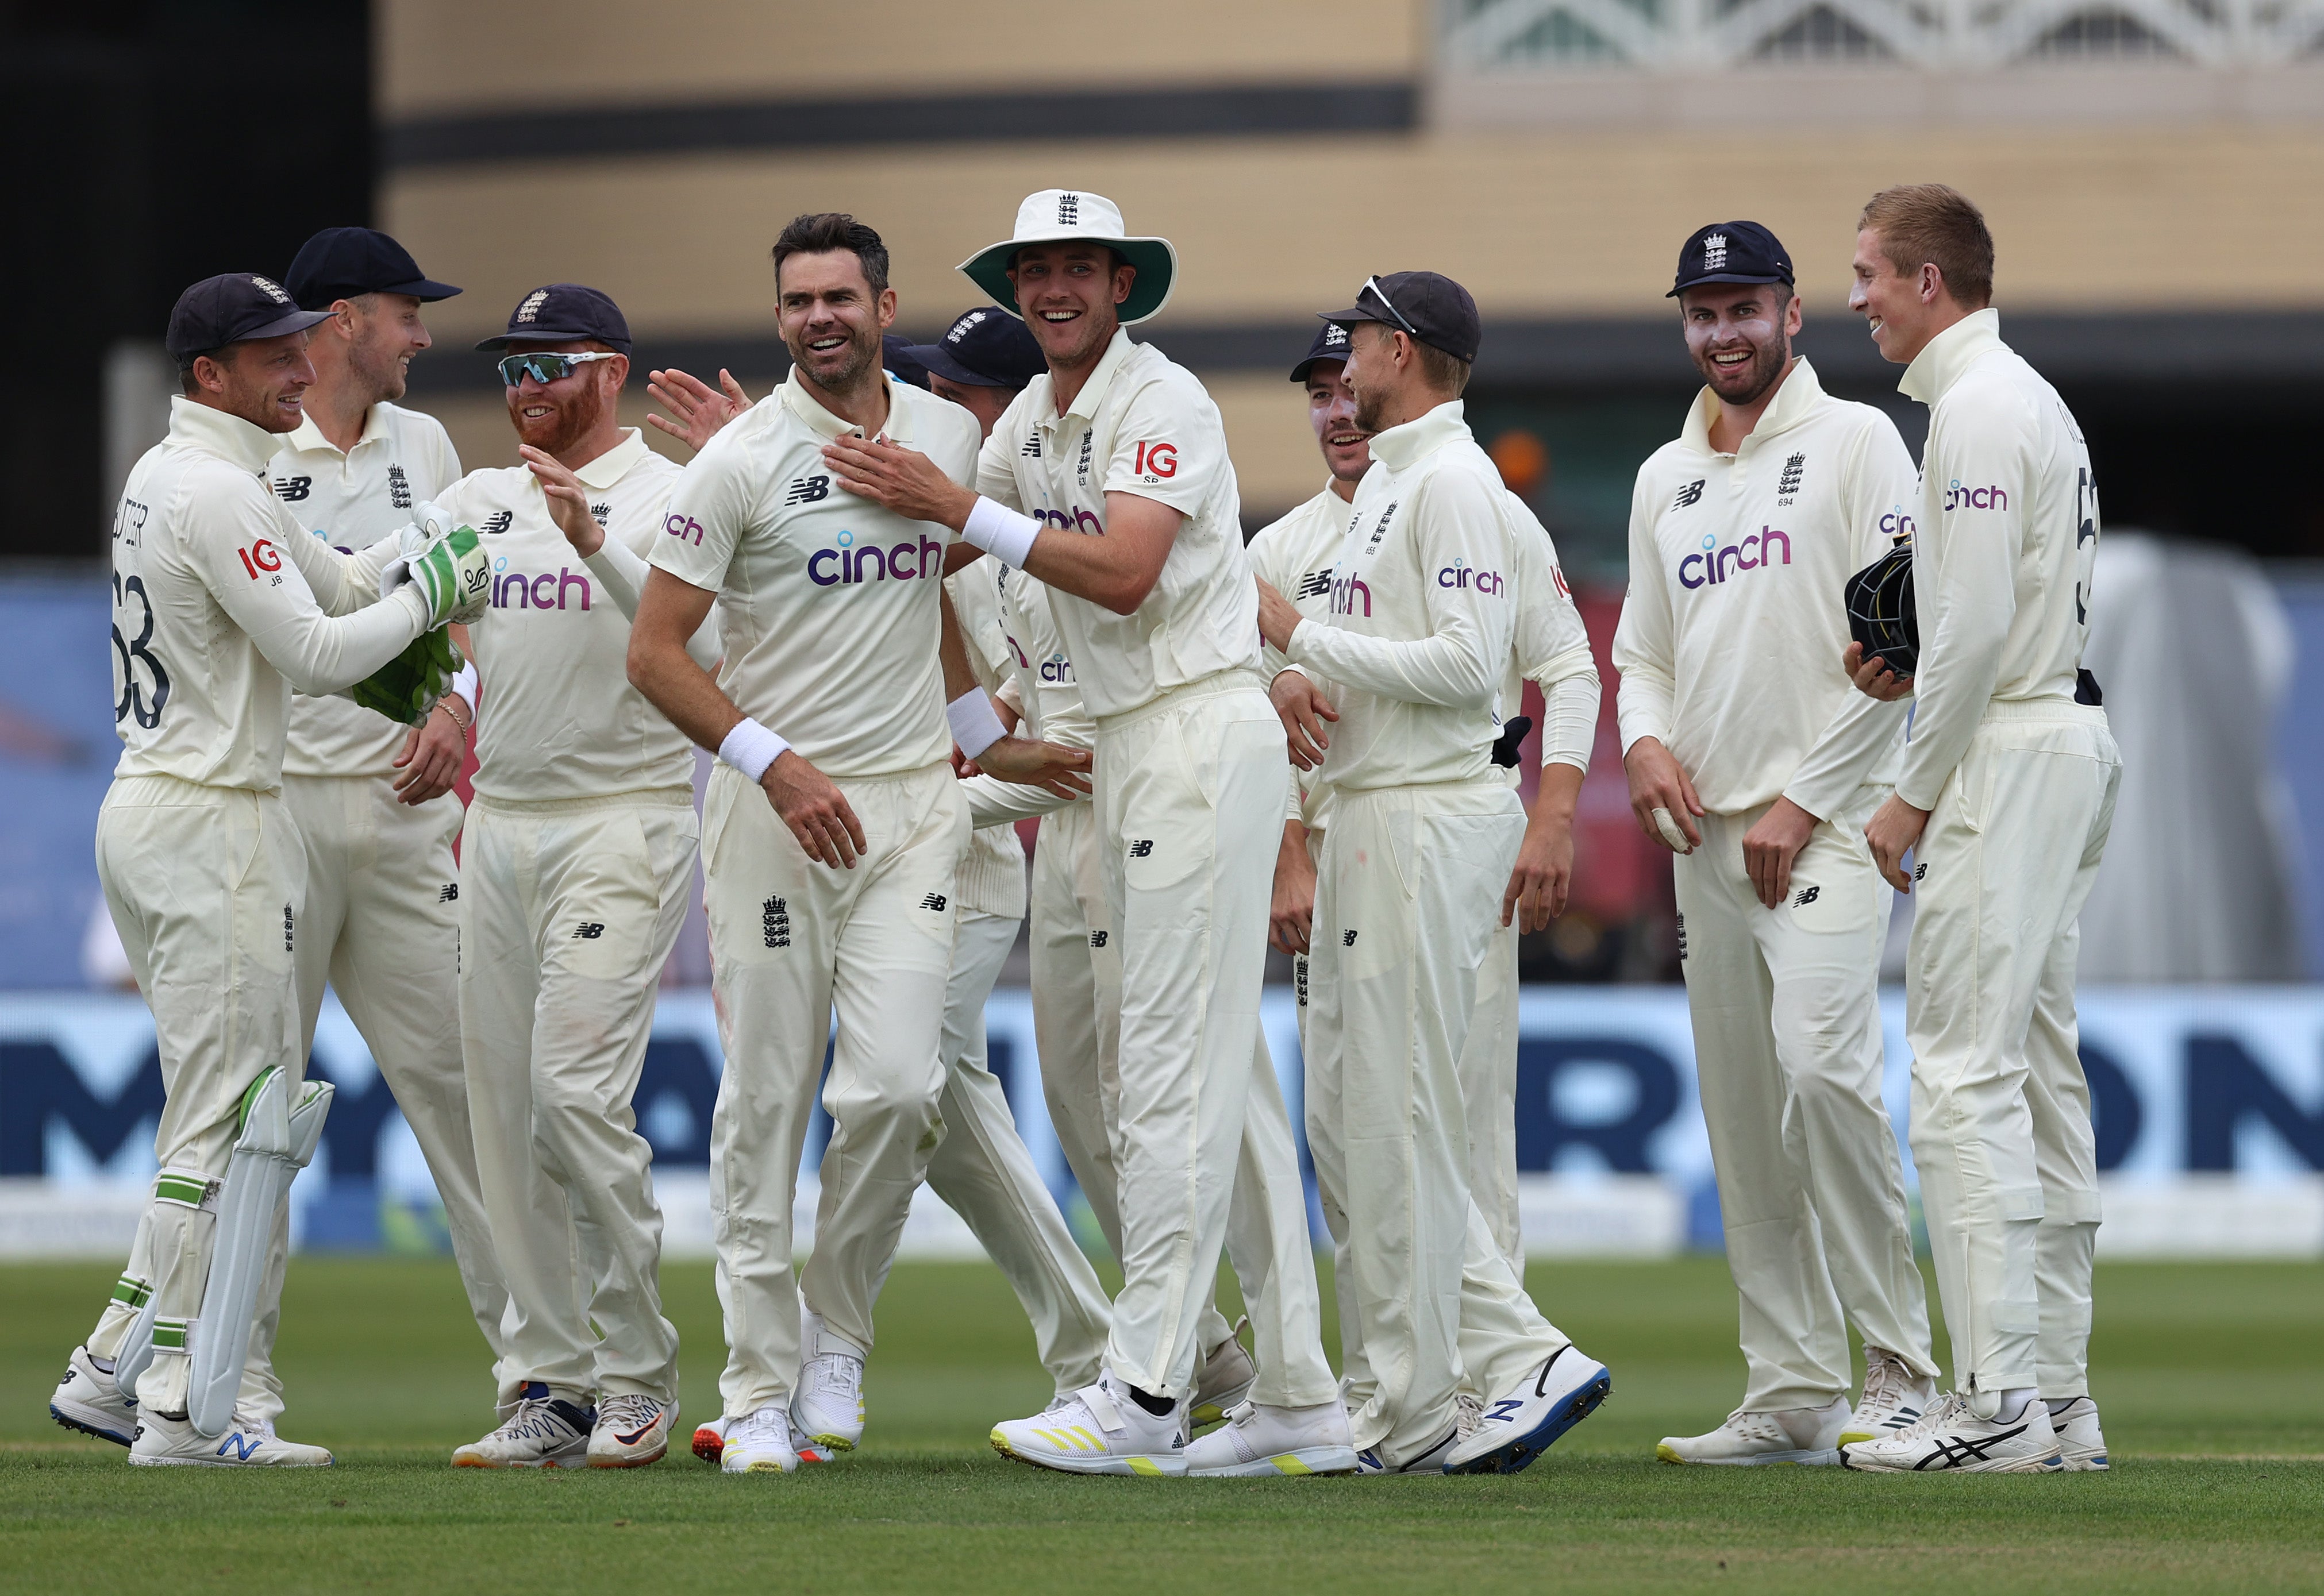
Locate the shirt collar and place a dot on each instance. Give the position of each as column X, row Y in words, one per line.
column 1400, row 447
column 308, row 435
column 614, row 464
column 1792, row 403
column 1946, row 358
column 228, row 436
column 824, row 424
column 1093, row 394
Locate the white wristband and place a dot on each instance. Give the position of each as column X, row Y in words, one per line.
column 465, row 684
column 974, row 726
column 1001, row 532
column 751, row 748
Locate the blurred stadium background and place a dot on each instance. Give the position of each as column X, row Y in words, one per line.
column 2154, row 171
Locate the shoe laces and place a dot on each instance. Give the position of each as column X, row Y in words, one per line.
column 534, row 1420
column 1467, row 1413
column 1949, row 1409
column 627, row 1410
column 1884, row 1380
column 1757, row 1426
column 765, row 1425
column 835, row 1374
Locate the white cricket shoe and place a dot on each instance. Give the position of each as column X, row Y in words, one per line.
column 1369, row 1462
column 1951, row 1435
column 1224, row 1379
column 1100, row 1430
column 630, row 1432
column 2082, row 1444
column 1894, row 1398
column 1523, row 1422
column 164, row 1440
column 710, row 1439
column 1259, row 1440
column 86, row 1399
column 544, row 1432
column 759, row 1443
column 1807, row 1437
column 827, row 1403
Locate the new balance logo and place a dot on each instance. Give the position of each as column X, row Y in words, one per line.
column 1314, row 584
column 806, row 491
column 290, row 490
column 1142, row 848
column 1805, row 895
column 1688, row 494
column 588, row 930
column 1347, row 939
column 498, row 521
column 1097, row 939
column 450, row 893
column 934, row 900
column 1920, row 872
column 1032, row 449
column 775, row 923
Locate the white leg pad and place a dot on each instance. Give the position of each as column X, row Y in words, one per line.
column 184, row 1188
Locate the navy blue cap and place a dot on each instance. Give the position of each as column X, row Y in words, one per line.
column 1331, row 343
column 341, row 262
column 560, row 313
column 1423, row 305
column 901, row 360
column 228, row 310
column 985, row 348
column 1731, row 251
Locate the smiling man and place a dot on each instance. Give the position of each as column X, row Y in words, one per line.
column 1750, row 756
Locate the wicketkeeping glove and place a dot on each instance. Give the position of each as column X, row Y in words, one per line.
column 407, row 687
column 450, row 568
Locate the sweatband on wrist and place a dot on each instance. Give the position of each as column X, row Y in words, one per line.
column 465, row 684
column 974, row 726
column 1001, row 532
column 751, row 748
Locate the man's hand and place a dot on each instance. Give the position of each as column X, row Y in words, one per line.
column 699, row 413
column 432, row 757
column 569, row 501
column 1051, row 766
column 1303, row 709
column 1894, row 831
column 1291, row 916
column 1770, row 847
column 814, row 809
column 1537, row 887
column 1873, row 678
column 1662, row 797
column 1278, row 618
column 902, row 480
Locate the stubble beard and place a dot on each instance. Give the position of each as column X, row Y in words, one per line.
column 1767, row 362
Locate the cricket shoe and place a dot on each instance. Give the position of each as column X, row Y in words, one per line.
column 1263, row 1441
column 1224, row 1379
column 165, row 1441
column 1523, row 1422
column 1951, row 1435
column 827, row 1403
column 630, row 1432
column 1100, row 1429
column 1370, row 1462
column 1806, row 1436
column 545, row 1431
column 710, row 1439
column 2082, row 1444
column 1894, row 1398
column 86, row 1399
column 759, row 1443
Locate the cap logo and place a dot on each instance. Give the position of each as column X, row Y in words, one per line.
column 964, row 325
column 1714, row 252
column 1069, row 210
column 533, row 301
column 1334, row 333
column 267, row 287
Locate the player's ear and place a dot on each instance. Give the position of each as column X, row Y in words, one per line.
column 1125, row 276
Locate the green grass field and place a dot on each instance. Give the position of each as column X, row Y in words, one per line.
column 2209, row 1377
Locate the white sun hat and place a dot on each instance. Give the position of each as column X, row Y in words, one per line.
column 1059, row 214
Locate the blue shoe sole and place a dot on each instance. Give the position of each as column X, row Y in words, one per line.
column 89, row 1429
column 1520, row 1451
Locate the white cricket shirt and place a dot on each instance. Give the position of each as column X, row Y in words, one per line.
column 991, row 879
column 1140, row 424
column 1731, row 635
column 222, row 604
column 560, row 719
column 350, row 501
column 1295, row 555
column 2008, row 539
column 832, row 623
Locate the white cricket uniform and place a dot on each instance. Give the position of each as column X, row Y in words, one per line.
column 1729, row 648
column 1190, row 791
column 381, row 925
column 2020, row 780
column 1423, row 833
column 221, row 605
column 574, row 876
column 831, row 627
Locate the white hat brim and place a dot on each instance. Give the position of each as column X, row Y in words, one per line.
column 1156, row 260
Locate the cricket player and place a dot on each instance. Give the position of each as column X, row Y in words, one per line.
column 1742, row 735
column 1108, row 480
column 2005, row 801
column 368, row 795
column 222, row 606
column 1423, row 835
column 832, row 883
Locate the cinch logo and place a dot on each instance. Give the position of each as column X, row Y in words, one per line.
column 514, row 590
column 847, row 564
column 683, row 525
column 1959, row 498
column 1081, row 521
column 1345, row 590
column 1459, row 574
column 1896, row 523
column 1716, row 562
column 1057, row 668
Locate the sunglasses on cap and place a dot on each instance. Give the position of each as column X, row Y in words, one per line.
column 1372, row 287
column 547, row 368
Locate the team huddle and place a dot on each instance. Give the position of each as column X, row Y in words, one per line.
column 920, row 593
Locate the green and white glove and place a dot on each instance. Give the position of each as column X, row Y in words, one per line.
column 407, row 687
column 450, row 568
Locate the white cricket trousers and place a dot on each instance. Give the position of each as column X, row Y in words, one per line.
column 2001, row 1115
column 791, row 941
column 207, row 886
column 1407, row 900
column 1785, row 1004
column 1189, row 796
column 984, row 1174
column 568, row 910
column 1076, row 1022
column 383, row 929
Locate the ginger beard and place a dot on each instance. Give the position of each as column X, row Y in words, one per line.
column 554, row 416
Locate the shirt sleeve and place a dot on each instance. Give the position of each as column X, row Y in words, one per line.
column 1964, row 569
column 711, row 511
column 1553, row 645
column 1646, row 697
column 996, row 466
column 1169, row 446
